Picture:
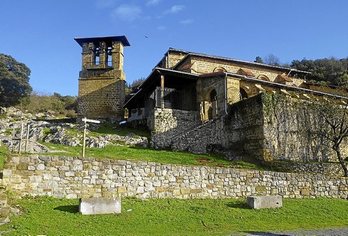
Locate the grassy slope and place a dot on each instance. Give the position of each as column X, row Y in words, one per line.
column 3, row 154
column 145, row 154
column 49, row 216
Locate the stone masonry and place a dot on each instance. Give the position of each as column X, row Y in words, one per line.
column 169, row 123
column 265, row 127
column 72, row 177
column 102, row 79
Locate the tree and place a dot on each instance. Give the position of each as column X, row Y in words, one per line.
column 272, row 60
column 63, row 105
column 330, row 70
column 134, row 86
column 258, row 59
column 14, row 81
column 136, row 83
column 335, row 128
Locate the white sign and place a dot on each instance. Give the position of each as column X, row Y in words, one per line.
column 90, row 121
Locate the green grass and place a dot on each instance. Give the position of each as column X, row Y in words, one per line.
column 4, row 152
column 145, row 154
column 48, row 216
column 108, row 128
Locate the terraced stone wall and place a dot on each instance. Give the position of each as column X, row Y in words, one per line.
column 72, row 177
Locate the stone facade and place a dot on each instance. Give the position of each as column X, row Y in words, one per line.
column 290, row 128
column 207, row 137
column 80, row 178
column 169, row 123
column 238, row 134
column 233, row 117
column 264, row 127
column 199, row 65
column 101, row 98
column 102, row 80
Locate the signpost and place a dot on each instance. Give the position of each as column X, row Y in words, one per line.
column 85, row 120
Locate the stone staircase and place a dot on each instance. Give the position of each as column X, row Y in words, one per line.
column 195, row 128
column 193, row 135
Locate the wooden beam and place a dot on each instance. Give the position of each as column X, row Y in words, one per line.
column 162, row 91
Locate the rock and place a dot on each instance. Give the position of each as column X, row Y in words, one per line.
column 10, row 133
column 260, row 202
column 2, row 110
column 93, row 206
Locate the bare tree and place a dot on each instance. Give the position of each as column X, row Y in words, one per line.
column 335, row 128
column 271, row 60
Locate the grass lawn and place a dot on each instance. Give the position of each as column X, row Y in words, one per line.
column 145, row 154
column 48, row 216
column 108, row 128
column 4, row 152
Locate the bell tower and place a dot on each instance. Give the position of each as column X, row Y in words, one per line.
column 102, row 79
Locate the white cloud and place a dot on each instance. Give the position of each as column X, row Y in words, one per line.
column 186, row 22
column 175, row 9
column 127, row 12
column 152, row 2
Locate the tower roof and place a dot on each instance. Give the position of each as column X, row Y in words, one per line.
column 107, row 39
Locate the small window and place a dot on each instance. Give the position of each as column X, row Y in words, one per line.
column 97, row 56
column 109, row 56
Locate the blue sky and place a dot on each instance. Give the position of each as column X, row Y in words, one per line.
column 40, row 33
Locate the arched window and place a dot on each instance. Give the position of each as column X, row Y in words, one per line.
column 213, row 95
column 263, row 77
column 242, row 94
column 212, row 111
column 219, row 69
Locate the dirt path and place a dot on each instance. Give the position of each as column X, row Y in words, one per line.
column 319, row 232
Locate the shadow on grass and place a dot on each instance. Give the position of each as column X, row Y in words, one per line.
column 68, row 208
column 240, row 205
column 256, row 233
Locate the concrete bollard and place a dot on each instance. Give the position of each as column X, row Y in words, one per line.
column 260, row 202
column 94, row 206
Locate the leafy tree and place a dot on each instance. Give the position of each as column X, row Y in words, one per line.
column 258, row 59
column 70, row 102
column 136, row 83
column 328, row 70
column 133, row 87
column 14, row 81
column 63, row 105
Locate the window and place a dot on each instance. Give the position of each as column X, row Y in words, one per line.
column 242, row 94
column 97, row 56
column 109, row 56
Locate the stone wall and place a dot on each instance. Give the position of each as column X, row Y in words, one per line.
column 101, row 84
column 74, row 178
column 200, row 66
column 325, row 168
column 236, row 135
column 292, row 130
column 243, row 127
column 265, row 127
column 202, row 139
column 101, row 98
column 204, row 88
column 168, row 123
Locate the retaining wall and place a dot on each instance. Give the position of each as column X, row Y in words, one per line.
column 70, row 177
